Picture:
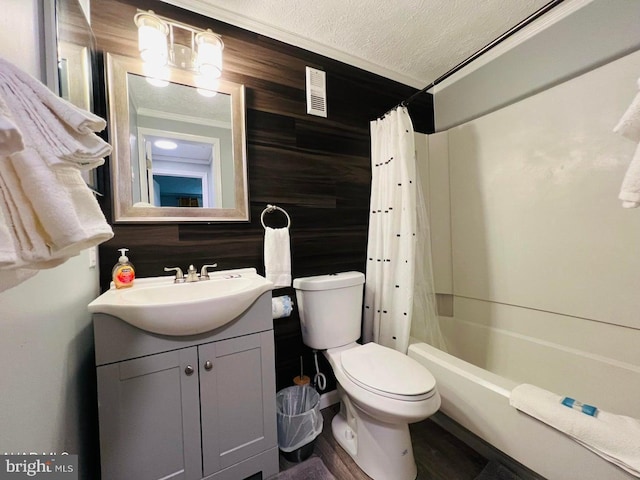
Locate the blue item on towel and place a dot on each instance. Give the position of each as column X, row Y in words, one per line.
column 587, row 409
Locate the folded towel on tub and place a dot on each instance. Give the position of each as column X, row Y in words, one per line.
column 615, row 438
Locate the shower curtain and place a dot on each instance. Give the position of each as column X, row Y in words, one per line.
column 399, row 278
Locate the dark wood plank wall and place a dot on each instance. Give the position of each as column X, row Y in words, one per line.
column 317, row 169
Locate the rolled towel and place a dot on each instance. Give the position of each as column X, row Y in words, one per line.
column 615, row 438
column 277, row 256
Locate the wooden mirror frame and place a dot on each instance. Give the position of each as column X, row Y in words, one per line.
column 117, row 68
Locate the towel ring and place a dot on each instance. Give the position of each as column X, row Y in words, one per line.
column 273, row 208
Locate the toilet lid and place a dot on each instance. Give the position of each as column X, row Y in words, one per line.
column 387, row 372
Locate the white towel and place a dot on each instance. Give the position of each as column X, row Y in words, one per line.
column 58, row 143
column 629, row 127
column 47, row 212
column 630, row 190
column 27, row 244
column 78, row 119
column 10, row 136
column 615, row 438
column 27, row 236
column 66, row 208
column 277, row 256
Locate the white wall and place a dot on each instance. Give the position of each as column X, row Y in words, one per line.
column 46, row 340
column 544, row 258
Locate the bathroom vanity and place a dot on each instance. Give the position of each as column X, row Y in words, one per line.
column 188, row 407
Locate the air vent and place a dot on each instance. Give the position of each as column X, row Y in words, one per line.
column 316, row 92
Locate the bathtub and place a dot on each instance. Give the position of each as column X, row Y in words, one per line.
column 478, row 400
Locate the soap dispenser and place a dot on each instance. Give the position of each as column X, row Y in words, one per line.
column 123, row 272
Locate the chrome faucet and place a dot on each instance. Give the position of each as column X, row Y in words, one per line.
column 192, row 273
column 204, row 273
column 179, row 275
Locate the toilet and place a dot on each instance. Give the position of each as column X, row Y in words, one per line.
column 381, row 390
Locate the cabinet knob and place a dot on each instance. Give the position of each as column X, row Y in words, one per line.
column 189, row 370
column 208, row 365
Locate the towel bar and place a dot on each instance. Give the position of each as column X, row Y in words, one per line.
column 273, row 208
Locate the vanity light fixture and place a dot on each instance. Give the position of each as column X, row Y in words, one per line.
column 162, row 42
column 152, row 38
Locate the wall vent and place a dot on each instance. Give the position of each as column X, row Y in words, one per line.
column 316, row 92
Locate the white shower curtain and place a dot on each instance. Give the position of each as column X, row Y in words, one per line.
column 399, row 290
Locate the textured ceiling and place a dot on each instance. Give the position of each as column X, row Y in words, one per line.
column 411, row 41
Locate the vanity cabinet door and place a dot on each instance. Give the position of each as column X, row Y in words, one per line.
column 237, row 393
column 150, row 417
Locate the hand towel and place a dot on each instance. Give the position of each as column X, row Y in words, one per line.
column 615, row 438
column 78, row 119
column 629, row 127
column 277, row 256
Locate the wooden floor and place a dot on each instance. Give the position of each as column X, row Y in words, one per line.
column 439, row 455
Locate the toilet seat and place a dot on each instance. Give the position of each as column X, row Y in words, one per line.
column 387, row 372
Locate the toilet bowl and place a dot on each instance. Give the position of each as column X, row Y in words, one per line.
column 381, row 390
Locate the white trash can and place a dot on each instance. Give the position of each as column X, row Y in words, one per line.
column 299, row 421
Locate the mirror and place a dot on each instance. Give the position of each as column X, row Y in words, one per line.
column 179, row 154
column 69, row 61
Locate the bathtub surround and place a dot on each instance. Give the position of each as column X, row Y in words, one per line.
column 478, row 402
column 540, row 267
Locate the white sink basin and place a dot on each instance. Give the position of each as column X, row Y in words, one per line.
column 160, row 306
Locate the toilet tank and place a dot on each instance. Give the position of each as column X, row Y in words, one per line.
column 330, row 309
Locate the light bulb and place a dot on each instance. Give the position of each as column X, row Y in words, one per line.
column 210, row 48
column 152, row 38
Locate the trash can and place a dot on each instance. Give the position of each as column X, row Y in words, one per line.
column 299, row 421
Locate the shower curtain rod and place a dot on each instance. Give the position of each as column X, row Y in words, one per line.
column 535, row 15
